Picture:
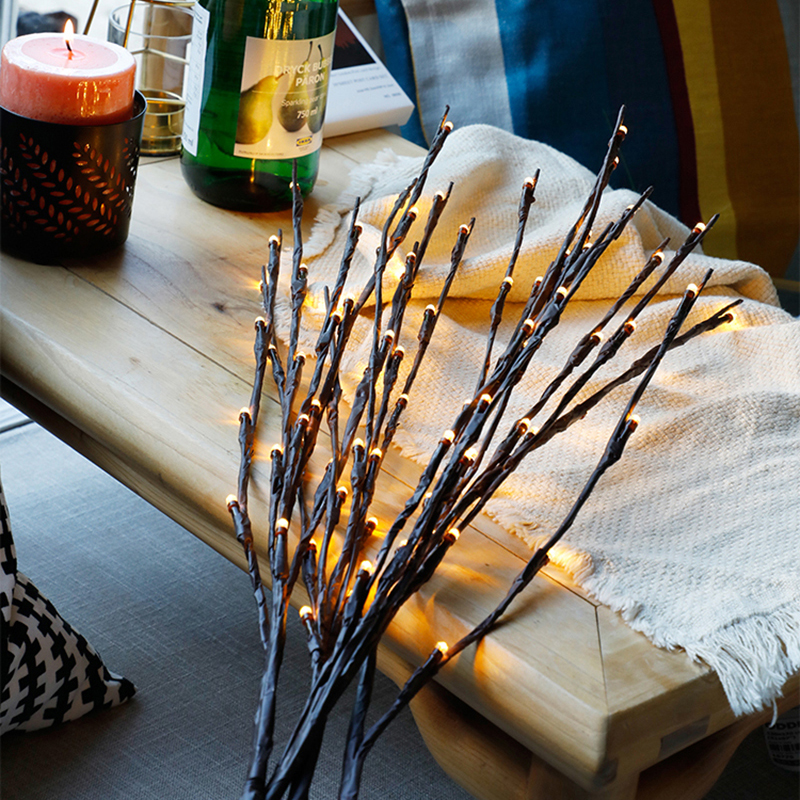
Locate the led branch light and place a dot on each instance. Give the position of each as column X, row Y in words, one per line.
column 321, row 538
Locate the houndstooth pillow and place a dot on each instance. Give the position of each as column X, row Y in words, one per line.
column 48, row 672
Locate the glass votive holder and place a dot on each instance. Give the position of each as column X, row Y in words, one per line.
column 158, row 37
column 66, row 190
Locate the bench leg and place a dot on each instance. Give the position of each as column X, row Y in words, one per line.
column 690, row 774
column 547, row 783
column 481, row 758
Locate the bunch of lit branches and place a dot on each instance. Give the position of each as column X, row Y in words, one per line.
column 351, row 602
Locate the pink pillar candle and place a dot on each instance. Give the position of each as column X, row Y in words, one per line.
column 91, row 84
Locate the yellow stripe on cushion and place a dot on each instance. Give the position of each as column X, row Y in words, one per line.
column 761, row 139
column 694, row 26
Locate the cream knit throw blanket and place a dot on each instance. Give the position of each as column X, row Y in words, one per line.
column 694, row 537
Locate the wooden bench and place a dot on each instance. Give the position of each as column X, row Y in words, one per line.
column 141, row 359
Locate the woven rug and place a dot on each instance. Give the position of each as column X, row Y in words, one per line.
column 694, row 537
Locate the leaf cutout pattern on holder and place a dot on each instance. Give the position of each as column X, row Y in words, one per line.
column 83, row 193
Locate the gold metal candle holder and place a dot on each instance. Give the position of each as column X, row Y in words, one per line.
column 158, row 34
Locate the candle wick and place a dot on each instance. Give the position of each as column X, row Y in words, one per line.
column 69, row 47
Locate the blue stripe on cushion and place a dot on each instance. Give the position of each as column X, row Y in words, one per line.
column 631, row 36
column 553, row 65
column 566, row 66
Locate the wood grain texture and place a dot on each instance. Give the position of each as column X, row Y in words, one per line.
column 141, row 360
column 170, row 415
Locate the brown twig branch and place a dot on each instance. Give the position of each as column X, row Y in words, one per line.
column 351, row 601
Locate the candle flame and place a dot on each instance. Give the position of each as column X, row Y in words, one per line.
column 69, row 34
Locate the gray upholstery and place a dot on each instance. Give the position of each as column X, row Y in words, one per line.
column 165, row 610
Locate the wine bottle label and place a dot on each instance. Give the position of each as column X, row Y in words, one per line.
column 194, row 79
column 283, row 93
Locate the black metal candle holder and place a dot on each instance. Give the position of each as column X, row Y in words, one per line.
column 66, row 190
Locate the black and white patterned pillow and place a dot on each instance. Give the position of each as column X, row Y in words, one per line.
column 48, row 672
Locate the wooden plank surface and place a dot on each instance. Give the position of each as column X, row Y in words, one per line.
column 170, row 414
column 146, row 354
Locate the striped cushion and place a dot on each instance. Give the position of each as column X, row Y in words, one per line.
column 49, row 673
column 710, row 86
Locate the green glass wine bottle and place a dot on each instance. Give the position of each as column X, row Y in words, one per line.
column 255, row 99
